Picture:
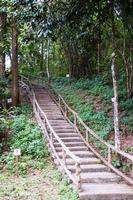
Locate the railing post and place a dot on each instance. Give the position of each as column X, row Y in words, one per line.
column 109, row 157
column 66, row 111
column 64, row 156
column 132, row 170
column 51, row 137
column 59, row 102
column 78, row 175
column 87, row 135
column 75, row 121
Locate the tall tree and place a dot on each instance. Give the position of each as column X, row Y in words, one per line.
column 113, row 69
column 14, row 61
column 2, row 54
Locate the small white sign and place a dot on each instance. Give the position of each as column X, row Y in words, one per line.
column 113, row 99
column 9, row 100
column 17, row 152
column 67, row 75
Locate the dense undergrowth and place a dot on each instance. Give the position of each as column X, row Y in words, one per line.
column 19, row 130
column 22, row 132
column 91, row 98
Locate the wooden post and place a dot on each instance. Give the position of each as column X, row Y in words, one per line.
column 78, row 176
column 87, row 136
column 17, row 167
column 17, row 153
column 75, row 121
column 132, row 170
column 64, row 156
column 51, row 137
column 65, row 111
column 109, row 157
column 59, row 102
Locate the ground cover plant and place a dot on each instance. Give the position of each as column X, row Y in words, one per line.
column 91, row 98
column 38, row 178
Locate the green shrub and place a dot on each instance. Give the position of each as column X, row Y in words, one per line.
column 126, row 105
column 28, row 137
column 24, row 109
column 4, row 90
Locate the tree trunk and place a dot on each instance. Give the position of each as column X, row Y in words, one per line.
column 99, row 39
column 47, row 68
column 128, row 63
column 115, row 99
column 42, row 56
column 15, row 81
column 2, row 54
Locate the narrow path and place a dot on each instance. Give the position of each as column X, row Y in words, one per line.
column 97, row 183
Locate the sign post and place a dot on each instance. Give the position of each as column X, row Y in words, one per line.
column 68, row 78
column 17, row 153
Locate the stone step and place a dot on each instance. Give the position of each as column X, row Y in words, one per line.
column 57, row 124
column 43, row 102
column 67, row 130
column 58, row 121
column 48, row 105
column 55, row 117
column 61, row 125
column 84, row 161
column 77, row 148
column 65, row 135
column 97, row 183
column 71, row 139
column 57, row 112
column 69, row 144
column 89, row 168
column 82, row 154
column 63, row 128
column 100, row 177
column 108, row 191
column 51, row 116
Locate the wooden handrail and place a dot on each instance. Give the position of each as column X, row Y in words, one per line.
column 92, row 132
column 65, row 149
column 88, row 129
column 75, row 158
column 110, row 148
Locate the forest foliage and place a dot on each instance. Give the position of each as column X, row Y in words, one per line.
column 58, row 37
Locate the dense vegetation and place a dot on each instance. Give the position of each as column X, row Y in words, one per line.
column 22, row 132
column 91, row 98
column 86, row 40
column 85, row 50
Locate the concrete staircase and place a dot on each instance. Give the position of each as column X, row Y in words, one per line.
column 97, row 182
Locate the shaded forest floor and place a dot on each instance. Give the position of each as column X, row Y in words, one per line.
column 91, row 99
column 45, row 184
